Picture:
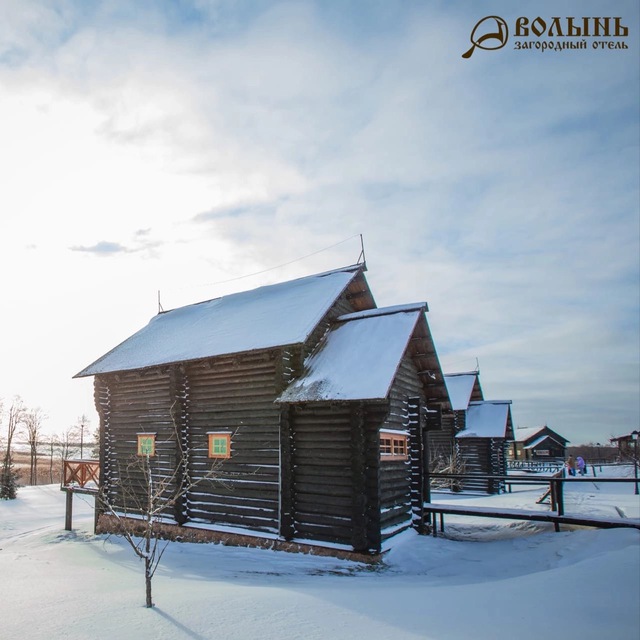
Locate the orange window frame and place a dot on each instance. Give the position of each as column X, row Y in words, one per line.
column 147, row 444
column 394, row 448
column 219, row 445
column 386, row 445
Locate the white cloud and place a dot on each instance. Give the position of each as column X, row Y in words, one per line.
column 501, row 189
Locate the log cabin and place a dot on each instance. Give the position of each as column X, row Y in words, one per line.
column 474, row 437
column 538, row 443
column 484, row 442
column 627, row 445
column 462, row 388
column 312, row 402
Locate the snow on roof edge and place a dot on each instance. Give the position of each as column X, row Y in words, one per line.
column 383, row 311
column 462, row 373
column 352, row 268
column 542, row 438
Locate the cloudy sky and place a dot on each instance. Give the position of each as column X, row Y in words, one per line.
column 176, row 146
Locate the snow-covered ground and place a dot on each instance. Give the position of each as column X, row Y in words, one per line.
column 488, row 579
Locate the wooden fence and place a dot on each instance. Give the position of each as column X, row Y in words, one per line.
column 79, row 476
column 79, row 473
column 535, row 466
column 555, row 492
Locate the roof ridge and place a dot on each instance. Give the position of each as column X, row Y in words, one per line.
column 322, row 274
column 383, row 311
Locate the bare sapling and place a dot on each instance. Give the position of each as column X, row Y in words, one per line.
column 148, row 490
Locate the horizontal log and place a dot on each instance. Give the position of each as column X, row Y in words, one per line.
column 323, row 506
column 327, row 532
column 254, row 387
column 311, row 488
column 267, row 525
column 256, row 414
column 394, row 496
column 322, row 476
column 396, row 516
column 321, row 439
column 259, row 509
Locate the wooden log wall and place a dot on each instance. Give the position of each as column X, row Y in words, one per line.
column 102, row 403
column 483, row 456
column 397, row 482
column 179, row 398
column 375, row 415
column 330, row 493
column 441, row 442
column 322, row 483
column 128, row 404
column 417, row 456
column 235, row 395
column 474, row 457
column 181, row 405
column 498, row 449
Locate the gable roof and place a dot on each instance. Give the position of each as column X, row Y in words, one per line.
column 488, row 419
column 624, row 438
column 269, row 316
column 524, row 434
column 359, row 358
column 462, row 388
column 542, row 439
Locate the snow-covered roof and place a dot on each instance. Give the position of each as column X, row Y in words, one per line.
column 487, row 419
column 273, row 315
column 460, row 388
column 522, row 434
column 525, row 434
column 626, row 437
column 358, row 359
column 543, row 438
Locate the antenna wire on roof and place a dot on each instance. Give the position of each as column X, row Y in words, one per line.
column 286, row 264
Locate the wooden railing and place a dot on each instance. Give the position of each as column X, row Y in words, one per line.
column 538, row 466
column 555, row 492
column 79, row 473
column 79, row 476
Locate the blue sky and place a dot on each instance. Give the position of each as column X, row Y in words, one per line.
column 176, row 146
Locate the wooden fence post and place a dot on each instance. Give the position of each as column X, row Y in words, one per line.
column 553, row 496
column 560, row 496
column 69, row 511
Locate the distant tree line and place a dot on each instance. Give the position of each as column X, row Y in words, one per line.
column 596, row 452
column 22, row 438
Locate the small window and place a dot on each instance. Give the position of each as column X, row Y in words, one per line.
column 146, row 444
column 386, row 446
column 219, row 445
column 400, row 447
column 393, row 447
